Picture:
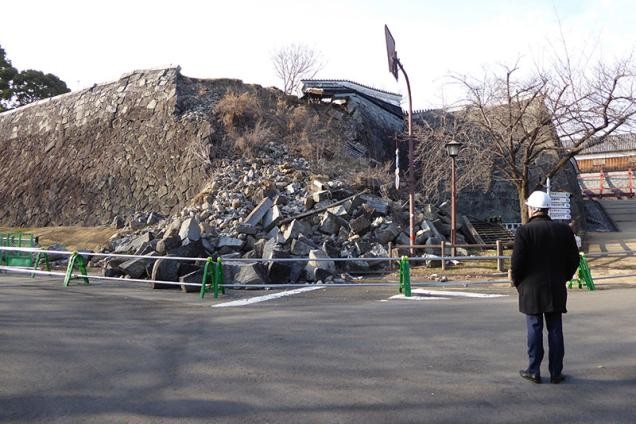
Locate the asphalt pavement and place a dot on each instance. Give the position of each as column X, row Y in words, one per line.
column 124, row 353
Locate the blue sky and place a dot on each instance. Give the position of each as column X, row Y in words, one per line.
column 92, row 42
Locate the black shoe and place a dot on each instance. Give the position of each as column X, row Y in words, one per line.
column 535, row 378
column 557, row 379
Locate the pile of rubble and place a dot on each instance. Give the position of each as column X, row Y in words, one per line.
column 269, row 208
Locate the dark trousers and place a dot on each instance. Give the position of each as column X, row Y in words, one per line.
column 555, row 342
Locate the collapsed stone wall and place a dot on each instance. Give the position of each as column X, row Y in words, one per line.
column 146, row 142
column 87, row 156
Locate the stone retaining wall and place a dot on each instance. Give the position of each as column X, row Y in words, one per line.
column 112, row 149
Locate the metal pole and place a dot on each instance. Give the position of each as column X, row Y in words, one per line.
column 453, row 207
column 411, row 161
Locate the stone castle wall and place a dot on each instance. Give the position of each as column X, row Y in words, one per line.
column 113, row 149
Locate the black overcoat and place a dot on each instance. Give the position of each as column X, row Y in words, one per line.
column 544, row 258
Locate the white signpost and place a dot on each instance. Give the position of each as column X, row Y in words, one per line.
column 560, row 208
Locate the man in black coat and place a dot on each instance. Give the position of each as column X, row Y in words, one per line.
column 544, row 258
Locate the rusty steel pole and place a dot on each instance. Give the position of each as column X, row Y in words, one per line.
column 411, row 162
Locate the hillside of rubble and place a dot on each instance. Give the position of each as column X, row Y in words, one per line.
column 271, row 207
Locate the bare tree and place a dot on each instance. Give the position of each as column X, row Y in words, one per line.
column 295, row 62
column 535, row 125
column 432, row 130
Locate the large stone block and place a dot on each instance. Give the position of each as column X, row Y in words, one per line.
column 190, row 230
column 165, row 270
column 194, row 277
column 319, row 266
column 380, row 206
column 230, row 243
column 138, row 267
column 251, row 273
column 272, row 218
column 360, row 225
column 294, row 229
column 257, row 214
column 302, row 246
column 279, row 272
column 387, row 233
column 330, row 224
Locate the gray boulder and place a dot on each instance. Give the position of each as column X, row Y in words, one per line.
column 387, row 233
column 250, row 229
column 360, row 225
column 380, row 206
column 138, row 267
column 194, row 277
column 230, row 243
column 330, row 224
column 135, row 244
column 190, row 230
column 279, row 272
column 251, row 273
column 167, row 243
column 165, row 270
column 302, row 246
column 319, row 266
column 433, row 241
column 403, row 239
column 294, row 229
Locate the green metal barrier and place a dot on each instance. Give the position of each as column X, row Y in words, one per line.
column 76, row 261
column 405, row 276
column 41, row 256
column 20, row 259
column 583, row 275
column 212, row 278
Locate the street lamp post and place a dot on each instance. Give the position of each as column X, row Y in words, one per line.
column 452, row 148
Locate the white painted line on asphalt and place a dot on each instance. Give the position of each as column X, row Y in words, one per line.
column 402, row 297
column 455, row 293
column 265, row 298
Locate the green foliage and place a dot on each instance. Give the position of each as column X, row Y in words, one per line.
column 32, row 85
column 21, row 88
column 7, row 72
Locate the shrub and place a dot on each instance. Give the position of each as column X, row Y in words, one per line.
column 251, row 140
column 238, row 111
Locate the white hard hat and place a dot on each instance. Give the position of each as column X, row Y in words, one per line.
column 539, row 200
